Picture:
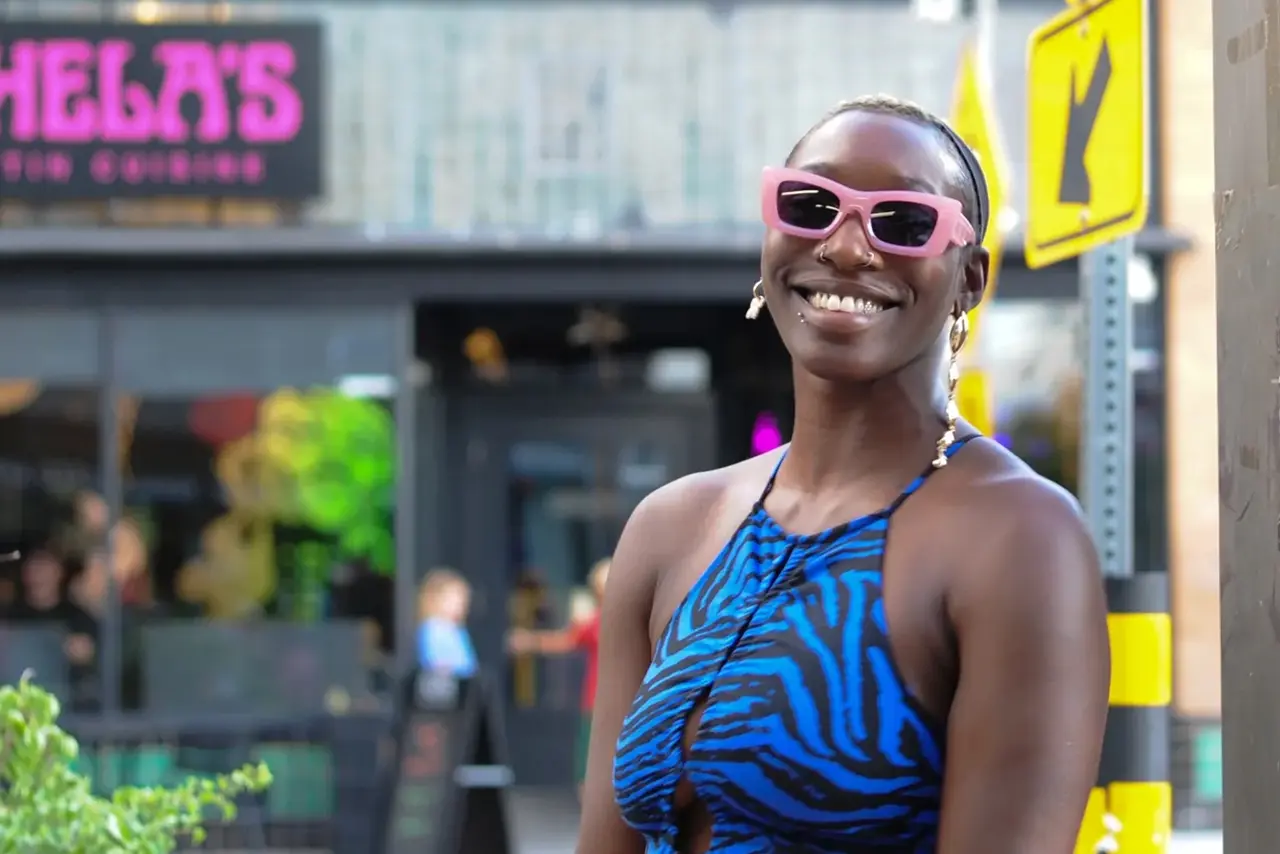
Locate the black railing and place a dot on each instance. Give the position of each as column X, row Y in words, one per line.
column 328, row 771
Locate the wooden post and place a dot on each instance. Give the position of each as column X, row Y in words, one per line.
column 1246, row 58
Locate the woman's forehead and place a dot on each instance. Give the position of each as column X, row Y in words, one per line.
column 880, row 151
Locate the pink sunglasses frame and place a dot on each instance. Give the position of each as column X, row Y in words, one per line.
column 952, row 227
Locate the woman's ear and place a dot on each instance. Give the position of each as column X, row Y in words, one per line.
column 973, row 277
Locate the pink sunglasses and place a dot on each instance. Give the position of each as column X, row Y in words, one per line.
column 896, row 222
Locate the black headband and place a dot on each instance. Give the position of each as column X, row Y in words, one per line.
column 976, row 175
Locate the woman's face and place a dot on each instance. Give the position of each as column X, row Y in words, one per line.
column 91, row 511
column 869, row 151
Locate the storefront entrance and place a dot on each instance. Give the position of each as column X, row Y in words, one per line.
column 545, row 485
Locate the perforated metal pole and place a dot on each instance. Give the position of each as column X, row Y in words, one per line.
column 1133, row 780
column 1106, row 445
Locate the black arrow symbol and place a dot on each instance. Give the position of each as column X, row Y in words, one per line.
column 1075, row 187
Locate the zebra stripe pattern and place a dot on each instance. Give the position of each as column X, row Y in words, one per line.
column 810, row 741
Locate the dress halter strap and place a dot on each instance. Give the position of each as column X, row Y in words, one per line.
column 773, row 476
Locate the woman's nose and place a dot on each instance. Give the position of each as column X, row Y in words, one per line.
column 848, row 246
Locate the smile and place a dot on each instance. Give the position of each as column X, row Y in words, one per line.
column 841, row 315
column 848, row 305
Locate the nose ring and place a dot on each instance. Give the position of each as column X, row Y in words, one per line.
column 866, row 258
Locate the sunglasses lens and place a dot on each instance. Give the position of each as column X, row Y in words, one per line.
column 805, row 206
column 907, row 224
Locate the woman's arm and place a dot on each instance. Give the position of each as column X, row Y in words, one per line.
column 544, row 642
column 1025, row 729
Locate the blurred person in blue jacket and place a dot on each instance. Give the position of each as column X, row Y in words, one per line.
column 444, row 645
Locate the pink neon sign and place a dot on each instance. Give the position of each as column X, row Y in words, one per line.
column 765, row 434
column 118, row 106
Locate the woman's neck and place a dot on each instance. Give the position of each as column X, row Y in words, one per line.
column 847, row 433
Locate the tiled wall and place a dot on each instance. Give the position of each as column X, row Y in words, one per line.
column 583, row 119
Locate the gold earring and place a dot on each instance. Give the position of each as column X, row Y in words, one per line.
column 959, row 334
column 757, row 300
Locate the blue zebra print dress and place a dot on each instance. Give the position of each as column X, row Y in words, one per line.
column 810, row 741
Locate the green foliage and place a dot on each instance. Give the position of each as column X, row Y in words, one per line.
column 46, row 807
column 345, row 468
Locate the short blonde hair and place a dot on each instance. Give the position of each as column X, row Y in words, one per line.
column 438, row 580
column 599, row 571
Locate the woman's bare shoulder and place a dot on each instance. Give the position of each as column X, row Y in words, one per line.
column 679, row 519
column 687, row 506
column 999, row 487
column 1034, row 535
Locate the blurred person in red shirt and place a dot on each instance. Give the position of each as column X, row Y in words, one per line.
column 581, row 635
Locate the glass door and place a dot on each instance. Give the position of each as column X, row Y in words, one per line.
column 547, row 499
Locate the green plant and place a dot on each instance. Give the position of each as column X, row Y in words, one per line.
column 46, row 807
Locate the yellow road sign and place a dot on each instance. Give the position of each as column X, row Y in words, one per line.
column 973, row 398
column 973, row 118
column 1087, row 129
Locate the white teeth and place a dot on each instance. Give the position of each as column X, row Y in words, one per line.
column 849, row 305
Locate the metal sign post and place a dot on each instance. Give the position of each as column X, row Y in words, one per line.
column 1088, row 72
column 1087, row 193
column 1106, row 442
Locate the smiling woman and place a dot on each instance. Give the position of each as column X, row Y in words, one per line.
column 753, row 695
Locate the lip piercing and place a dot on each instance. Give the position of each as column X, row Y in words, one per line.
column 800, row 315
